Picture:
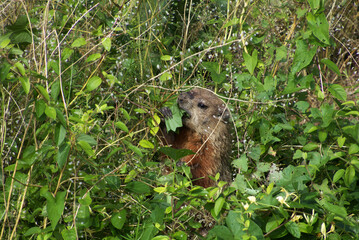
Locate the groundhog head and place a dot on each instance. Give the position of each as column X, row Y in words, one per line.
column 205, row 110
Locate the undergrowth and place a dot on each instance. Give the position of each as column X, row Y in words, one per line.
column 81, row 83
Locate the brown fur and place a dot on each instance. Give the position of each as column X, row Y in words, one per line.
column 206, row 132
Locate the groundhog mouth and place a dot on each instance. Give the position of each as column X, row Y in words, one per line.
column 187, row 114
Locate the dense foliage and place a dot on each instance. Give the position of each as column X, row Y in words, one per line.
column 81, row 83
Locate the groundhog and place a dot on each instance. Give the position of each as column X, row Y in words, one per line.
column 206, row 132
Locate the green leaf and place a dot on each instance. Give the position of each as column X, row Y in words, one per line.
column 155, row 124
column 322, row 135
column 87, row 148
column 293, row 229
column 4, row 42
column 89, row 139
column 330, row 65
column 354, row 148
column 146, row 144
column 255, row 152
column 119, row 219
column 273, row 222
column 131, row 175
column 232, row 22
column 125, row 114
column 218, row 205
column 349, row 176
column 55, row 207
column 66, row 53
column 50, row 112
column 158, row 214
column 135, row 149
column 263, row 167
column 341, row 141
column 40, row 107
column 327, row 112
column 281, row 53
column 166, row 57
column 93, row 57
column 60, row 134
column 315, row 5
column 20, row 68
column 338, row 175
column 176, row 120
column 93, row 83
column 21, row 37
column 221, row 232
column 25, row 82
column 139, row 110
column 69, row 233
column 121, row 126
column 303, row 56
column 353, row 131
column 61, row 117
column 175, row 154
column 32, row 231
column 180, row 235
column 337, row 210
column 106, row 42
column 83, row 219
column 338, row 92
column 4, row 71
column 55, row 90
column 86, row 200
column 138, row 187
column 43, row 92
column 212, row 67
column 302, row 106
column 62, row 154
column 355, row 162
column 54, row 65
column 232, row 221
column 251, row 61
column 165, row 76
column 319, row 26
column 161, row 237
column 241, row 163
column 160, row 189
column 79, row 42
column 219, row 77
column 16, row 51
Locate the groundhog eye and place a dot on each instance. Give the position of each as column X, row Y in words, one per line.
column 202, row 105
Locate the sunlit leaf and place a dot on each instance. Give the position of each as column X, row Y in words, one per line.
column 107, row 43
column 251, row 61
column 330, row 65
column 93, row 57
column 79, row 42
column 146, row 144
column 93, row 83
column 338, row 92
column 122, row 126
column 50, row 112
column 55, row 207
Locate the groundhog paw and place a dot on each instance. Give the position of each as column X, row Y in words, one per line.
column 166, row 112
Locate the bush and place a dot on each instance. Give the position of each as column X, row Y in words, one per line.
column 81, row 85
